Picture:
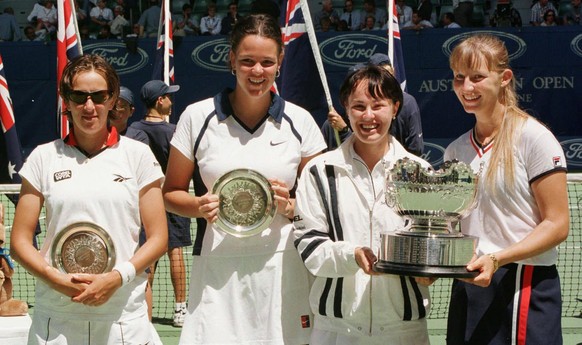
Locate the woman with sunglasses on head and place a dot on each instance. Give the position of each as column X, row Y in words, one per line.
column 521, row 212
column 340, row 213
column 252, row 289
column 99, row 180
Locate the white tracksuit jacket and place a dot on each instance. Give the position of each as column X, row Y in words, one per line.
column 340, row 205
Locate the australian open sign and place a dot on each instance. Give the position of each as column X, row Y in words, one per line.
column 118, row 56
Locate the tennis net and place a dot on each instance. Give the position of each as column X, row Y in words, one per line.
column 569, row 264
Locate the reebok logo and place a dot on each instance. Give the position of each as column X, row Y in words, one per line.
column 120, row 178
column 62, row 175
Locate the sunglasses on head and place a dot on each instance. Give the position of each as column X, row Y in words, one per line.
column 98, row 97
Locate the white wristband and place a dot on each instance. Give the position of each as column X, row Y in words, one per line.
column 127, row 272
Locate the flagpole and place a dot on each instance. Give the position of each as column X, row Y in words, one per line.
column 77, row 33
column 318, row 61
column 391, row 30
column 166, row 9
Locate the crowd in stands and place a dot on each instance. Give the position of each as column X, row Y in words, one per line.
column 106, row 19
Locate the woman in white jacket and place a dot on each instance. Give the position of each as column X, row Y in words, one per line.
column 340, row 212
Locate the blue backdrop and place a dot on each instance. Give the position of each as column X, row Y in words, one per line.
column 547, row 64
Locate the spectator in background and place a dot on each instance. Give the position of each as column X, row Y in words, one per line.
column 371, row 10
column 424, row 10
column 352, row 17
column 448, row 21
column 43, row 17
column 230, row 19
column 186, row 24
column 326, row 25
column 9, row 30
column 505, row 15
column 370, row 23
column 119, row 24
column 417, row 23
column 30, row 35
column 327, row 11
column 549, row 18
column 572, row 17
column 404, row 12
column 149, row 21
column 119, row 116
column 210, row 24
column 538, row 10
column 81, row 13
column 100, row 16
column 157, row 97
column 463, row 10
column 105, row 33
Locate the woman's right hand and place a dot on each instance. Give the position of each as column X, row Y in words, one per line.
column 208, row 207
column 64, row 283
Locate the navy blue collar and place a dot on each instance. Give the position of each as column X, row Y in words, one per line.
column 224, row 108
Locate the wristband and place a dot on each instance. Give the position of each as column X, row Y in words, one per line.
column 495, row 262
column 127, row 272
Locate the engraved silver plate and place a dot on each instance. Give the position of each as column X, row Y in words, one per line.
column 247, row 203
column 83, row 248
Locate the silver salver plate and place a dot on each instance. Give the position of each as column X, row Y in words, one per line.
column 247, row 203
column 83, row 248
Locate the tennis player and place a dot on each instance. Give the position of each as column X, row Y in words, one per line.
column 522, row 208
column 92, row 176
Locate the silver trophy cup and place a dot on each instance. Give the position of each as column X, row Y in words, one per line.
column 431, row 244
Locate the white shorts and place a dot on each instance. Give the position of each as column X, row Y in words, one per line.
column 53, row 331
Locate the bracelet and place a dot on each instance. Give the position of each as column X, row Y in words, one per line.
column 127, row 272
column 495, row 262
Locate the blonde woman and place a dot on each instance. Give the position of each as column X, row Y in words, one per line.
column 522, row 208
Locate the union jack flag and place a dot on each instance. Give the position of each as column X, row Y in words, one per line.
column 395, row 46
column 68, row 48
column 164, row 64
column 9, row 143
column 294, row 21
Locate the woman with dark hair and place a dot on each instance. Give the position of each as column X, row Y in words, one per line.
column 249, row 289
column 340, row 213
column 521, row 212
column 97, row 188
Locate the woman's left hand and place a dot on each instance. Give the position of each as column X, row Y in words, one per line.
column 100, row 287
column 485, row 267
column 282, row 197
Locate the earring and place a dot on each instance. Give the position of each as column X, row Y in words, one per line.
column 233, row 72
column 278, row 74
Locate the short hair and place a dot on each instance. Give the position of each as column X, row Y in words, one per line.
column 88, row 63
column 381, row 85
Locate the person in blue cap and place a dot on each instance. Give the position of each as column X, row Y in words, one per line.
column 157, row 97
column 121, row 113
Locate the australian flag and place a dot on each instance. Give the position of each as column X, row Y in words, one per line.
column 305, row 88
column 164, row 63
column 11, row 157
column 68, row 48
column 397, row 57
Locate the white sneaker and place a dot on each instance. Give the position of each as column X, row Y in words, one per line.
column 179, row 316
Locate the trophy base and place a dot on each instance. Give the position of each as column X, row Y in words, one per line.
column 423, row 271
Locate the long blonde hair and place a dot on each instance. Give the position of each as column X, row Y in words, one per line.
column 488, row 49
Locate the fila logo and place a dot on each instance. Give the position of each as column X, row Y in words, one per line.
column 120, row 178
column 62, row 175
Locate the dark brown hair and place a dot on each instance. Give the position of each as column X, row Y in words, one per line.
column 88, row 63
